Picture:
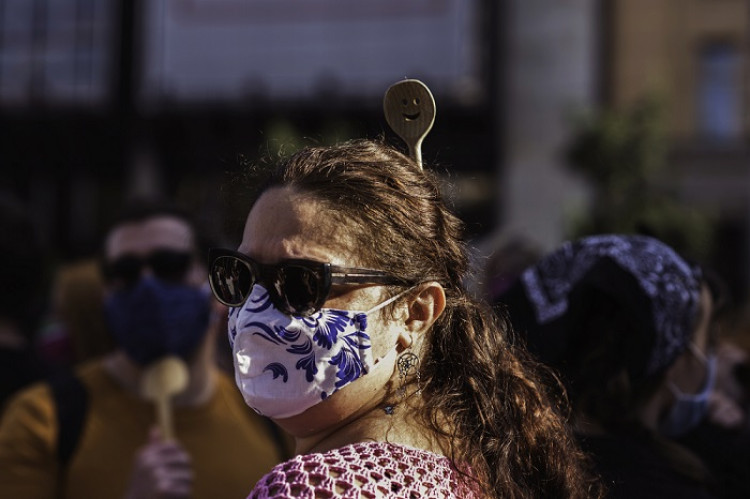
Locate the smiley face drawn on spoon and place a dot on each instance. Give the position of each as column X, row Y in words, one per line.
column 409, row 109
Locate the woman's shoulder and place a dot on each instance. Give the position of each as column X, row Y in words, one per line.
column 377, row 468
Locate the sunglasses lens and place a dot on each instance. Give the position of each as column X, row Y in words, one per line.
column 126, row 269
column 167, row 265
column 170, row 265
column 231, row 280
column 299, row 289
column 295, row 287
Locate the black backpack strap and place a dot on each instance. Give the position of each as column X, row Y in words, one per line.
column 71, row 402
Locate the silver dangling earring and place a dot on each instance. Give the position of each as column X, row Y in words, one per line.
column 408, row 364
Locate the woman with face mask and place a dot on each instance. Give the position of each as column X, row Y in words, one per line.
column 625, row 322
column 352, row 330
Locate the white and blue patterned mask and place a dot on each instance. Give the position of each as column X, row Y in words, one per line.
column 284, row 364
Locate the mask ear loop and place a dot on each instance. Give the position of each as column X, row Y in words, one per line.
column 388, row 301
column 698, row 353
column 709, row 363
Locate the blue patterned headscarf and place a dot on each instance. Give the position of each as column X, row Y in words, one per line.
column 657, row 288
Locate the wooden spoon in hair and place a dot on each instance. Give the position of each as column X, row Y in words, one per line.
column 410, row 112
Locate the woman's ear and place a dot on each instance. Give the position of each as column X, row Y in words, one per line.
column 425, row 306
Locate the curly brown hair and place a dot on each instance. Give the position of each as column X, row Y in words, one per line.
column 504, row 422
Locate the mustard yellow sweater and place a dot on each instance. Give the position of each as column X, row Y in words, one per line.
column 230, row 446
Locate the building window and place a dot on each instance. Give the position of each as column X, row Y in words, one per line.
column 55, row 52
column 720, row 91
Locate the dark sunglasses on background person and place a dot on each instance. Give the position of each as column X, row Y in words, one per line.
column 167, row 265
column 296, row 287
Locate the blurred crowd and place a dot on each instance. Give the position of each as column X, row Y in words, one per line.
column 652, row 351
column 646, row 344
column 89, row 409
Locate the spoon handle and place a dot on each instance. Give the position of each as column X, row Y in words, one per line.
column 164, row 417
column 415, row 151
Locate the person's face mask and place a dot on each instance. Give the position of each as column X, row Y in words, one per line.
column 690, row 409
column 153, row 318
column 286, row 364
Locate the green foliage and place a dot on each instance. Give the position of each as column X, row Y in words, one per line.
column 619, row 150
column 284, row 137
column 621, row 153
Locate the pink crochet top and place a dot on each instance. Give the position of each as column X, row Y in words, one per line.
column 365, row 470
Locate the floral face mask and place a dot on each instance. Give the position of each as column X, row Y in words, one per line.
column 284, row 364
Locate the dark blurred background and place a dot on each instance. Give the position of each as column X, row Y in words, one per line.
column 554, row 119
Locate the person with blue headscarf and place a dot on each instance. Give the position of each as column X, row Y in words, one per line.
column 625, row 323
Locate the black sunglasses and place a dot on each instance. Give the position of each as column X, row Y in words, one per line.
column 167, row 265
column 296, row 287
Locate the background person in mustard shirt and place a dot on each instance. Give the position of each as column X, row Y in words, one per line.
column 156, row 304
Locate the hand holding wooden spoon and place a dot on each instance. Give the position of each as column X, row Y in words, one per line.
column 161, row 381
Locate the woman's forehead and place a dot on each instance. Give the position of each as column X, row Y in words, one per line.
column 286, row 223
